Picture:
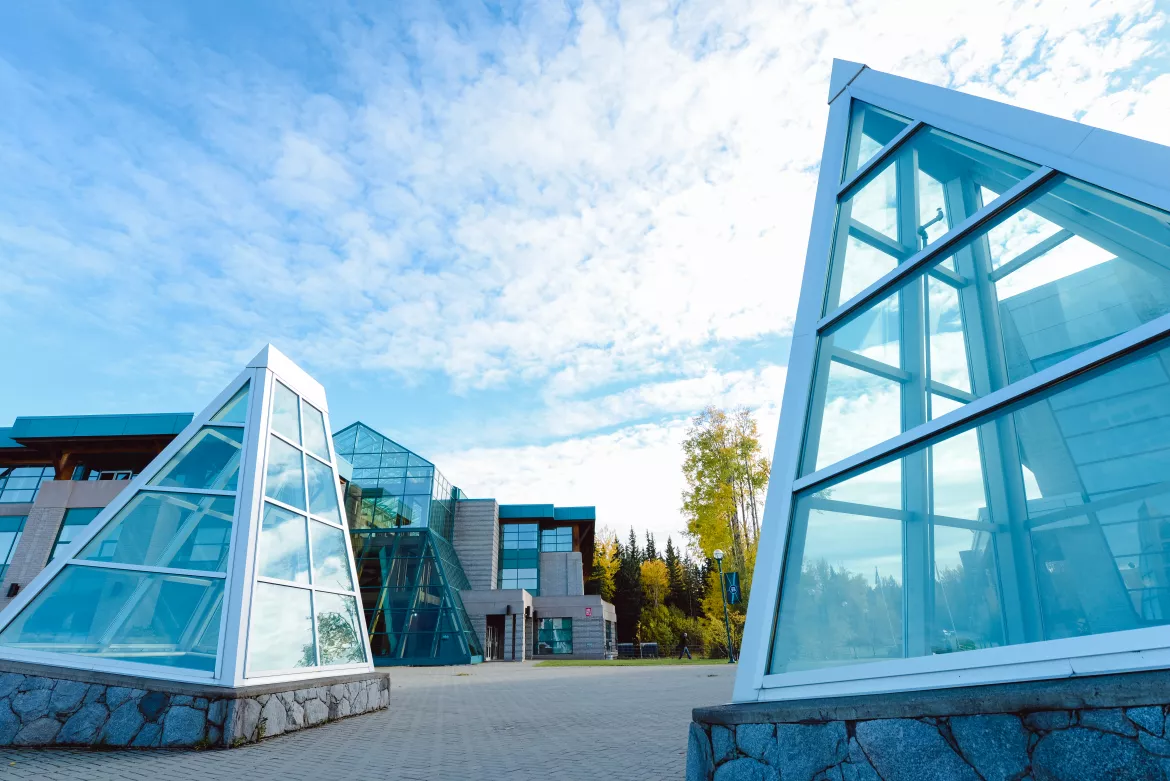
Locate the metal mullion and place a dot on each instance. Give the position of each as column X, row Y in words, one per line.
column 1032, row 253
column 943, row 246
column 285, row 506
column 879, row 241
column 998, row 446
column 952, row 393
column 1094, row 357
column 331, row 590
column 869, row 365
column 946, row 276
column 918, row 590
column 889, row 513
column 186, row 573
column 308, row 531
column 1132, row 495
column 283, row 438
column 278, row 582
column 871, row 166
column 188, row 491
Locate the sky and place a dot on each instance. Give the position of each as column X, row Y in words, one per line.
column 526, row 240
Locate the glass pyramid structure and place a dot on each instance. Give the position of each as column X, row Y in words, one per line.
column 970, row 482
column 410, row 577
column 226, row 561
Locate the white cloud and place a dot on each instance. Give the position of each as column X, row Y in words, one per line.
column 571, row 208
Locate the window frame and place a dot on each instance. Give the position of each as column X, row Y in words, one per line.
column 1057, row 147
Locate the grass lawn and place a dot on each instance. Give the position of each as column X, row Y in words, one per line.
column 625, row 662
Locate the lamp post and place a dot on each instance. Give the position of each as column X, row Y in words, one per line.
column 718, row 554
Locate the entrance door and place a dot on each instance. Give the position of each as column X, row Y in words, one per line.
column 494, row 643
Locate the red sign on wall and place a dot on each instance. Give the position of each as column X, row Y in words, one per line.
column 589, row 612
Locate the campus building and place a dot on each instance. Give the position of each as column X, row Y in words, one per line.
column 443, row 579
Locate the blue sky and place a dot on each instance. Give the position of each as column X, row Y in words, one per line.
column 526, row 239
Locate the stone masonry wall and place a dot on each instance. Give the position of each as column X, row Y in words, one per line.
column 1091, row 744
column 44, row 711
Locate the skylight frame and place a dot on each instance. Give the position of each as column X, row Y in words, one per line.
column 1103, row 159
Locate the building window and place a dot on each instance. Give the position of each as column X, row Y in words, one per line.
column 555, row 636
column 76, row 519
column 21, row 483
column 557, row 540
column 519, row 556
column 609, row 636
column 11, row 527
column 110, row 474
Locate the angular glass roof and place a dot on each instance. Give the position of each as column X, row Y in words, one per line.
column 142, row 590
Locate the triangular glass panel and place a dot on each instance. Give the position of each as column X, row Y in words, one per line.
column 236, row 409
column 209, row 460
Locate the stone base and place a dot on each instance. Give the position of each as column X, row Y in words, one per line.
column 56, row 706
column 1109, row 727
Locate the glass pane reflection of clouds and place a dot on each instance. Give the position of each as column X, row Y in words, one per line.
column 129, row 616
column 286, row 476
column 284, row 545
column 285, row 419
column 282, row 629
column 1075, row 480
column 210, row 460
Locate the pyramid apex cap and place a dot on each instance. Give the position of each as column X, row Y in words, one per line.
column 290, row 374
column 844, row 71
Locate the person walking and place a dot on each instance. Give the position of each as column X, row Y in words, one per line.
column 683, row 648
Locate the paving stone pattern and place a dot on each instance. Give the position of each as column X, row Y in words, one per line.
column 1104, row 744
column 42, row 711
column 490, row 721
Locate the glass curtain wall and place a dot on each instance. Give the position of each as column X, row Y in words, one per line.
column 408, row 572
column 1049, row 518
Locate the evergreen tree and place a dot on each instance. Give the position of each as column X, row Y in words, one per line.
column 628, row 595
column 676, row 593
column 651, row 549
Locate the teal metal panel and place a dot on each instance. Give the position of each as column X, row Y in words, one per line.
column 6, row 440
column 67, row 426
column 511, row 511
column 576, row 514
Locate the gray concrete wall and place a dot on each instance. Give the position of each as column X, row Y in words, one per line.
column 588, row 632
column 1100, row 727
column 481, row 604
column 561, row 574
column 44, row 522
column 477, row 541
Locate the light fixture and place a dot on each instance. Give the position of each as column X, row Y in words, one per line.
column 718, row 554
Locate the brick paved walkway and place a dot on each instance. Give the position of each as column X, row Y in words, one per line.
column 491, row 721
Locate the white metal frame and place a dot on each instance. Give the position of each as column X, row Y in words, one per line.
column 268, row 366
column 1123, row 165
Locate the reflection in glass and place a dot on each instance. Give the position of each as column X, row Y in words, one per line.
column 316, row 440
column 236, row 409
column 282, row 629
column 286, row 420
column 322, row 490
column 330, row 558
column 1066, row 269
column 211, row 460
column 903, row 559
column 284, row 545
column 870, row 128
column 339, row 630
column 908, row 203
column 286, row 477
column 149, row 618
column 181, row 531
